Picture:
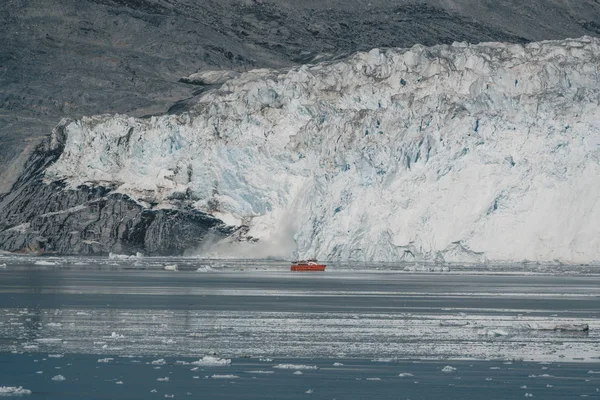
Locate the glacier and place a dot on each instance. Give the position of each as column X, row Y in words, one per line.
column 450, row 153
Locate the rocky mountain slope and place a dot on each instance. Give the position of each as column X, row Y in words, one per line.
column 70, row 58
column 453, row 153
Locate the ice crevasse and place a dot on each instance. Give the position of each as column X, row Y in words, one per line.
column 453, row 152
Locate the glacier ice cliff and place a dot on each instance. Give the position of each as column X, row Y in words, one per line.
column 448, row 153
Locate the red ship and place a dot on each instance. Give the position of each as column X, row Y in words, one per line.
column 307, row 265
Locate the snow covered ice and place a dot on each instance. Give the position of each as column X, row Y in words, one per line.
column 457, row 153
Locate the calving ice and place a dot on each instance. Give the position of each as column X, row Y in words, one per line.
column 455, row 152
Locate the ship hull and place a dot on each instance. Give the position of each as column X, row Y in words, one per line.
column 317, row 267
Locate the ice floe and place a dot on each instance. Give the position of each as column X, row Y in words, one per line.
column 13, row 391
column 295, row 366
column 448, row 368
column 212, row 361
column 58, row 378
column 225, row 376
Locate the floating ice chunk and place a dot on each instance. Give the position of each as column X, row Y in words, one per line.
column 105, row 360
column 205, row 268
column 528, row 394
column 39, row 372
column 454, row 323
column 160, row 361
column 260, row 372
column 3, row 265
column 226, row 376
column 405, row 374
column 153, row 391
column 593, row 372
column 169, row 396
column 30, row 347
column 45, row 263
column 373, row 379
column 541, row 376
column 555, row 327
column 49, row 340
column 337, row 364
column 295, row 366
column 178, row 362
column 169, row 341
column 265, row 359
column 384, row 359
column 13, row 391
column 493, row 332
column 56, row 355
column 298, row 373
column 165, row 379
column 172, row 267
column 113, row 256
column 119, row 382
column 115, row 335
column 58, row 378
column 212, row 361
column 448, row 368
column 309, row 391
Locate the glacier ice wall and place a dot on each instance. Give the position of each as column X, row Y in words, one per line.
column 455, row 153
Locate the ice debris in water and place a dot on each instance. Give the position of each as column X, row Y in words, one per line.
column 56, row 355
column 115, row 335
column 309, row 391
column 45, row 263
column 205, row 268
column 295, row 366
column 160, row 361
column 297, row 372
column 405, row 374
column 119, row 382
column 212, row 361
column 493, row 332
column 528, row 394
column 105, row 360
column 227, row 376
column 448, row 368
column 165, row 379
column 13, row 391
column 58, row 378
column 260, row 372
column 171, row 267
column 337, row 364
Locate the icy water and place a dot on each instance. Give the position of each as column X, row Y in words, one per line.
column 127, row 329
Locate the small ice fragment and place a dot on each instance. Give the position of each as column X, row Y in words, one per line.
column 205, row 268
column 56, row 355
column 58, row 378
column 53, row 324
column 337, row 364
column 593, row 372
column 373, row 379
column 169, row 396
column 528, row 394
column 260, row 372
column 405, row 374
column 448, row 368
column 488, row 379
column 227, row 376
column 265, row 359
column 172, row 267
column 196, row 377
column 39, row 372
column 295, row 366
column 119, row 382
column 153, row 391
column 165, row 379
column 194, row 369
column 309, row 391
column 13, row 391
column 105, row 360
column 298, row 373
column 160, row 361
column 549, row 385
column 115, row 335
column 524, row 387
